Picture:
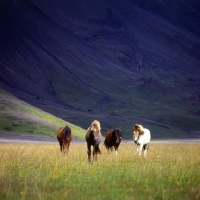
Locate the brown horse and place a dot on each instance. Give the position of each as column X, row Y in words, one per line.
column 64, row 136
column 113, row 139
column 93, row 138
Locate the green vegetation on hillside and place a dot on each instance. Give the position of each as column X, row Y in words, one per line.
column 16, row 116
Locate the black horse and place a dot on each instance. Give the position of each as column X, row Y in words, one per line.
column 113, row 139
column 93, row 138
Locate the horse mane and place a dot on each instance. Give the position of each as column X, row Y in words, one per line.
column 95, row 125
column 139, row 128
column 66, row 132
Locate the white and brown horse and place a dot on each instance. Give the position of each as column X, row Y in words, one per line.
column 93, row 138
column 141, row 137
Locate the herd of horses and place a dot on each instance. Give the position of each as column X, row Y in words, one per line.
column 141, row 137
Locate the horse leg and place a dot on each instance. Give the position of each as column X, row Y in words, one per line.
column 140, row 149
column 116, row 150
column 60, row 146
column 68, row 148
column 145, row 147
column 111, row 149
column 96, row 150
column 145, row 152
column 89, row 152
column 137, row 148
column 94, row 155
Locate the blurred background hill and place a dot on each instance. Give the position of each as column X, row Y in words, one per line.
column 120, row 62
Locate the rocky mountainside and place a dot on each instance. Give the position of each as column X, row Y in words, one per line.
column 121, row 62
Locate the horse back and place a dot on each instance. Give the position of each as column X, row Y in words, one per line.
column 146, row 137
column 109, row 139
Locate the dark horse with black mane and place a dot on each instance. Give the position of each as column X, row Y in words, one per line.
column 93, row 138
column 113, row 139
column 64, row 136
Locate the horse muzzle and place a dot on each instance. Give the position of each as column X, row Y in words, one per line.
column 135, row 141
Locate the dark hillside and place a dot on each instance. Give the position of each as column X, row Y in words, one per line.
column 183, row 14
column 121, row 62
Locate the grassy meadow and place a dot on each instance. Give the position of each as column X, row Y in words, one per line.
column 41, row 171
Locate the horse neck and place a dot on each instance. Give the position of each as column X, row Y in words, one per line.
column 96, row 132
column 141, row 132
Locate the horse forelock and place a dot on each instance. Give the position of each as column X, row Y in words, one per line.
column 118, row 132
column 95, row 125
column 139, row 128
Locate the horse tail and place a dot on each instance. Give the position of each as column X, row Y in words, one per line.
column 66, row 132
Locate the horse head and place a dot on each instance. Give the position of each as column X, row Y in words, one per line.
column 137, row 131
column 95, row 129
column 117, row 135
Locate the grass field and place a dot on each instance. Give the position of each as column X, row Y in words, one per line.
column 170, row 171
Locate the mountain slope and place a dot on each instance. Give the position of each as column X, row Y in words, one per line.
column 19, row 117
column 119, row 62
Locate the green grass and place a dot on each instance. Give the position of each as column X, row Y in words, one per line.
column 16, row 116
column 43, row 172
column 9, row 123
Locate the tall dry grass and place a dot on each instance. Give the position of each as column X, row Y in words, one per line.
column 43, row 172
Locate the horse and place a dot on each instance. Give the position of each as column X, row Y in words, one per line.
column 93, row 138
column 113, row 138
column 141, row 137
column 64, row 136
